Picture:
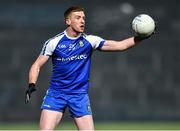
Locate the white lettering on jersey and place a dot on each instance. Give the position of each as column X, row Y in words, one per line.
column 47, row 106
column 72, row 47
column 62, row 46
column 72, row 58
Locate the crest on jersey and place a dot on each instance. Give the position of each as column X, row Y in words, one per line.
column 81, row 44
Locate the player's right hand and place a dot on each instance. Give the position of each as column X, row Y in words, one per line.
column 30, row 89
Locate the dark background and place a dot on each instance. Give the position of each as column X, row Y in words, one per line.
column 142, row 83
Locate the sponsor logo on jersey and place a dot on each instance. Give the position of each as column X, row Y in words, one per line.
column 89, row 108
column 47, row 106
column 71, row 58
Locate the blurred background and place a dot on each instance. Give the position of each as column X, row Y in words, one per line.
column 142, row 83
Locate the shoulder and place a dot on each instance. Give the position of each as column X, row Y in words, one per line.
column 50, row 44
column 92, row 38
column 55, row 39
column 95, row 41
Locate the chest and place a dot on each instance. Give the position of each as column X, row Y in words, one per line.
column 67, row 47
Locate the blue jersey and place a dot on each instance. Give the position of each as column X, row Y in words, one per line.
column 71, row 59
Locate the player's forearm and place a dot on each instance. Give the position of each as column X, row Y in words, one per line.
column 128, row 43
column 34, row 73
column 122, row 45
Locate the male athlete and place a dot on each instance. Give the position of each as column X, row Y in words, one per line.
column 71, row 52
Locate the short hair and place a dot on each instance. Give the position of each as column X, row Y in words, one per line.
column 72, row 9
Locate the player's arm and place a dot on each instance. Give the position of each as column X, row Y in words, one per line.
column 112, row 45
column 33, row 75
column 35, row 68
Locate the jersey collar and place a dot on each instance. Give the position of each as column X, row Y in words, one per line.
column 70, row 36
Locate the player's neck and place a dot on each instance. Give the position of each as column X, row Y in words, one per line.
column 70, row 32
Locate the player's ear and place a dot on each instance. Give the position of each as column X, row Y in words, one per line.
column 67, row 21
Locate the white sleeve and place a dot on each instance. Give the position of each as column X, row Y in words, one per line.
column 96, row 41
column 49, row 47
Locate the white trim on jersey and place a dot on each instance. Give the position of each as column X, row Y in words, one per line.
column 73, row 38
column 51, row 44
column 95, row 41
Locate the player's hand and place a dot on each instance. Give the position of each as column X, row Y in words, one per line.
column 146, row 37
column 30, row 89
column 140, row 38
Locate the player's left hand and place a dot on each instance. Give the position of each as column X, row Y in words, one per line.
column 146, row 37
column 30, row 89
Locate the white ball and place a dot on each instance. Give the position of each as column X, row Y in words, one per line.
column 143, row 25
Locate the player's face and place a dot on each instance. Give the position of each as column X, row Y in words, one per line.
column 76, row 21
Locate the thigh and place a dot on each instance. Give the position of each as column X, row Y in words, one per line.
column 79, row 105
column 51, row 102
column 52, row 112
column 84, row 122
column 50, row 119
